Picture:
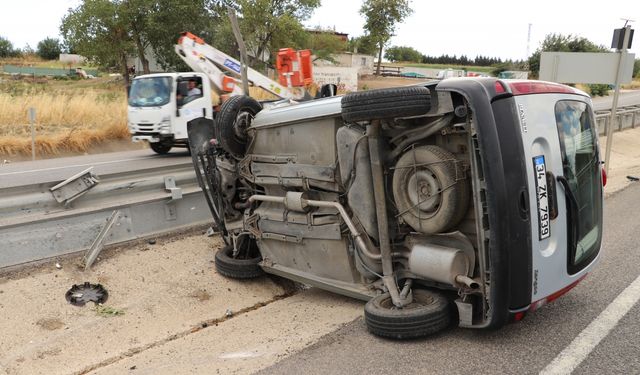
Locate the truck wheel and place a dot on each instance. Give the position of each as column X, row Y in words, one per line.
column 427, row 314
column 245, row 266
column 235, row 117
column 429, row 189
column 386, row 103
column 160, row 148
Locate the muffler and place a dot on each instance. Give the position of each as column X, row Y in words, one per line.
column 442, row 264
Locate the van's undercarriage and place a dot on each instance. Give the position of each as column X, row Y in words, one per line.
column 379, row 197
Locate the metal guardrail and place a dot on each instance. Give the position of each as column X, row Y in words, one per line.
column 36, row 224
column 626, row 118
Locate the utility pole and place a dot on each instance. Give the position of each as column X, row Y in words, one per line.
column 622, row 52
column 528, row 42
column 244, row 61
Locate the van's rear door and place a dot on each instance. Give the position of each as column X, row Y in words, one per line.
column 565, row 188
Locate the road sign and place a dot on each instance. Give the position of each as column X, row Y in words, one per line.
column 585, row 67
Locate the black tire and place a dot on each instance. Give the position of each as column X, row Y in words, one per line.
column 430, row 193
column 160, row 148
column 428, row 314
column 236, row 115
column 244, row 267
column 386, row 103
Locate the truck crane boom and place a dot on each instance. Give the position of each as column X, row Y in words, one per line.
column 204, row 58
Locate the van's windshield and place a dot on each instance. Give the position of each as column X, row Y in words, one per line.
column 582, row 170
column 150, row 92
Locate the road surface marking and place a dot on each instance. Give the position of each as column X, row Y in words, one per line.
column 571, row 357
column 75, row 166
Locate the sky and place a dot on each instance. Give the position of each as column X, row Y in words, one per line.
column 493, row 28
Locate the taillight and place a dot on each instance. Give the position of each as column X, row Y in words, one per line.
column 550, row 298
column 538, row 87
column 499, row 88
column 604, row 177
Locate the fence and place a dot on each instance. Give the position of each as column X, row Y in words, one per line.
column 627, row 118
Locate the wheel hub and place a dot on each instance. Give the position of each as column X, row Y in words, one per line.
column 423, row 190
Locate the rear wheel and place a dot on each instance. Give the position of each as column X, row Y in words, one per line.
column 386, row 103
column 235, row 117
column 160, row 148
column 243, row 266
column 429, row 313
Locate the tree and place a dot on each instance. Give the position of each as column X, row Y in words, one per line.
column 49, row 49
column 268, row 25
column 636, row 68
column 6, row 48
column 381, row 17
column 324, row 43
column 562, row 43
column 362, row 44
column 403, row 53
column 158, row 24
column 99, row 30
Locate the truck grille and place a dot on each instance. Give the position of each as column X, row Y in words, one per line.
column 145, row 128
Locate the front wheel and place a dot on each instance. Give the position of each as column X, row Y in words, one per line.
column 243, row 266
column 426, row 315
column 160, row 148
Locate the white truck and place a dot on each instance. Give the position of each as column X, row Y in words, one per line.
column 160, row 105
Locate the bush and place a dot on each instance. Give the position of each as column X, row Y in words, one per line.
column 6, row 48
column 599, row 89
column 49, row 49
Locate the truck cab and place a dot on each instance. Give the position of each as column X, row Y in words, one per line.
column 159, row 107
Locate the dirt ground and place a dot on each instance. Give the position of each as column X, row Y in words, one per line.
column 163, row 299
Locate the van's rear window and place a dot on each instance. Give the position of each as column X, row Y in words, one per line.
column 582, row 170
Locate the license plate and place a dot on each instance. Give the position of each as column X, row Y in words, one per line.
column 540, row 169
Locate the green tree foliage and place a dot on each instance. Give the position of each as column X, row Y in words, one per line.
column 381, row 17
column 636, row 68
column 158, row 23
column 6, row 48
column 407, row 54
column 268, row 25
column 98, row 30
column 562, row 43
column 362, row 44
column 567, row 43
column 49, row 49
column 324, row 43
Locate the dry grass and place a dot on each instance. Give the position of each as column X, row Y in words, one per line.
column 69, row 118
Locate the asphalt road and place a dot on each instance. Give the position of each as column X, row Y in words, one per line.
column 521, row 348
column 626, row 98
column 59, row 169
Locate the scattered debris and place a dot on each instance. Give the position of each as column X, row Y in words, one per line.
column 151, row 241
column 228, row 313
column 79, row 295
column 211, row 232
column 108, row 311
column 98, row 242
column 633, row 178
column 59, row 266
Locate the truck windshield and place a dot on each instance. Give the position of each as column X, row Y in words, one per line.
column 150, row 92
column 581, row 167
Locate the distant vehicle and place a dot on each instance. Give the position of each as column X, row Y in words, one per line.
column 513, row 74
column 476, row 194
column 451, row 73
